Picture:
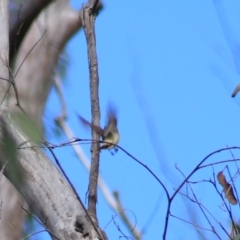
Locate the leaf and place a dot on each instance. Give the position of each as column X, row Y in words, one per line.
column 28, row 127
column 227, row 188
column 9, row 151
column 237, row 237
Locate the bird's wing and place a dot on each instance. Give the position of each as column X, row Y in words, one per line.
column 86, row 123
column 111, row 121
column 107, row 130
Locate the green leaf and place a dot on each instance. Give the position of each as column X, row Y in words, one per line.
column 28, row 127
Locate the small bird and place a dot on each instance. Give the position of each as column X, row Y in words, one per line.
column 236, row 90
column 109, row 133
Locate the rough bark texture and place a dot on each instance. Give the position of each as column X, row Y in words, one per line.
column 12, row 215
column 10, row 228
column 44, row 188
column 55, row 25
column 88, row 19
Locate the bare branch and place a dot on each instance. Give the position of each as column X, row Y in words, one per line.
column 88, row 20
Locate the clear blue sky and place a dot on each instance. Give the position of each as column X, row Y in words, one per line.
column 170, row 68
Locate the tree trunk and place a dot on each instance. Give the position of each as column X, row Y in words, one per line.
column 43, row 186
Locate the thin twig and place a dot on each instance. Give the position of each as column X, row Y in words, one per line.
column 195, row 200
column 74, row 190
column 185, row 180
column 194, row 224
column 23, row 208
column 102, row 185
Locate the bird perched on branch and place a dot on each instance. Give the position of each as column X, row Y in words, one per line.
column 109, row 133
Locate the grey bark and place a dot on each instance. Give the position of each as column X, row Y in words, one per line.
column 21, row 20
column 55, row 25
column 44, row 188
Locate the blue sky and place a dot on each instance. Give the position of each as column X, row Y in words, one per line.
column 170, row 68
